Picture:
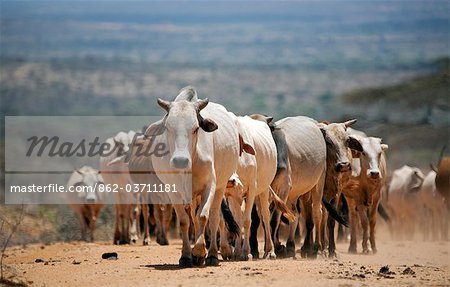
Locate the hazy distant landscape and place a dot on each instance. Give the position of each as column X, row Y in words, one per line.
column 288, row 58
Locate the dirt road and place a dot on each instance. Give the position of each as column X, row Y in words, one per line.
column 81, row 264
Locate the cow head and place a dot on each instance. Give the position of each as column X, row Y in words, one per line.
column 182, row 124
column 263, row 118
column 92, row 178
column 370, row 156
column 338, row 142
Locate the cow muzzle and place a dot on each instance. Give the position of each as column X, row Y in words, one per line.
column 180, row 160
column 342, row 166
column 373, row 174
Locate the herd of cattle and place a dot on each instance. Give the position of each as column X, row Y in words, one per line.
column 295, row 172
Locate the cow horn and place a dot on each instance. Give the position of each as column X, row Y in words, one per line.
column 350, row 122
column 201, row 104
column 164, row 104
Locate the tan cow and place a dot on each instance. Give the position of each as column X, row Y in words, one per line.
column 363, row 192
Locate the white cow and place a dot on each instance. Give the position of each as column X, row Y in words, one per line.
column 115, row 172
column 256, row 169
column 188, row 130
column 301, row 167
column 404, row 200
column 87, row 201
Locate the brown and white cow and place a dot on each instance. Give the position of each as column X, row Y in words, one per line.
column 363, row 192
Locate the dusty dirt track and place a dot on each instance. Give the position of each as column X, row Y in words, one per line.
column 80, row 264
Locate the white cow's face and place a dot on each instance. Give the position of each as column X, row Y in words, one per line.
column 182, row 124
column 372, row 149
column 92, row 179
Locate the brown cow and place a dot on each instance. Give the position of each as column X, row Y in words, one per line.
column 443, row 188
column 338, row 172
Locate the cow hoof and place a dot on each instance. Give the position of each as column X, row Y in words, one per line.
column 226, row 252
column 198, row 261
column 185, row 262
column 271, row 255
column 162, row 241
column 352, row 250
column 145, row 242
column 255, row 255
column 366, row 251
column 212, row 261
column 280, row 251
column 290, row 249
column 123, row 242
column 332, row 254
column 374, row 251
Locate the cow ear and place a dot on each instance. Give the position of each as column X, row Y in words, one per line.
column 384, row 147
column 269, row 120
column 207, row 125
column 155, row 129
column 354, row 144
column 243, row 146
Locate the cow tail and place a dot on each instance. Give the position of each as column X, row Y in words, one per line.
column 281, row 206
column 332, row 211
column 383, row 213
column 230, row 222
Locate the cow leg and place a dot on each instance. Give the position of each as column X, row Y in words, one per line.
column 125, row 222
column 225, row 249
column 247, row 221
column 213, row 256
column 263, row 200
column 159, row 219
column 82, row 219
column 373, row 223
column 307, row 247
column 281, row 184
column 290, row 244
column 199, row 250
column 93, row 222
column 117, row 224
column 330, row 225
column 146, row 213
column 254, row 232
column 167, row 219
column 353, row 227
column 317, row 194
column 186, row 252
column 194, row 220
column 365, row 227
column 237, row 214
column 323, row 228
column 134, row 222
